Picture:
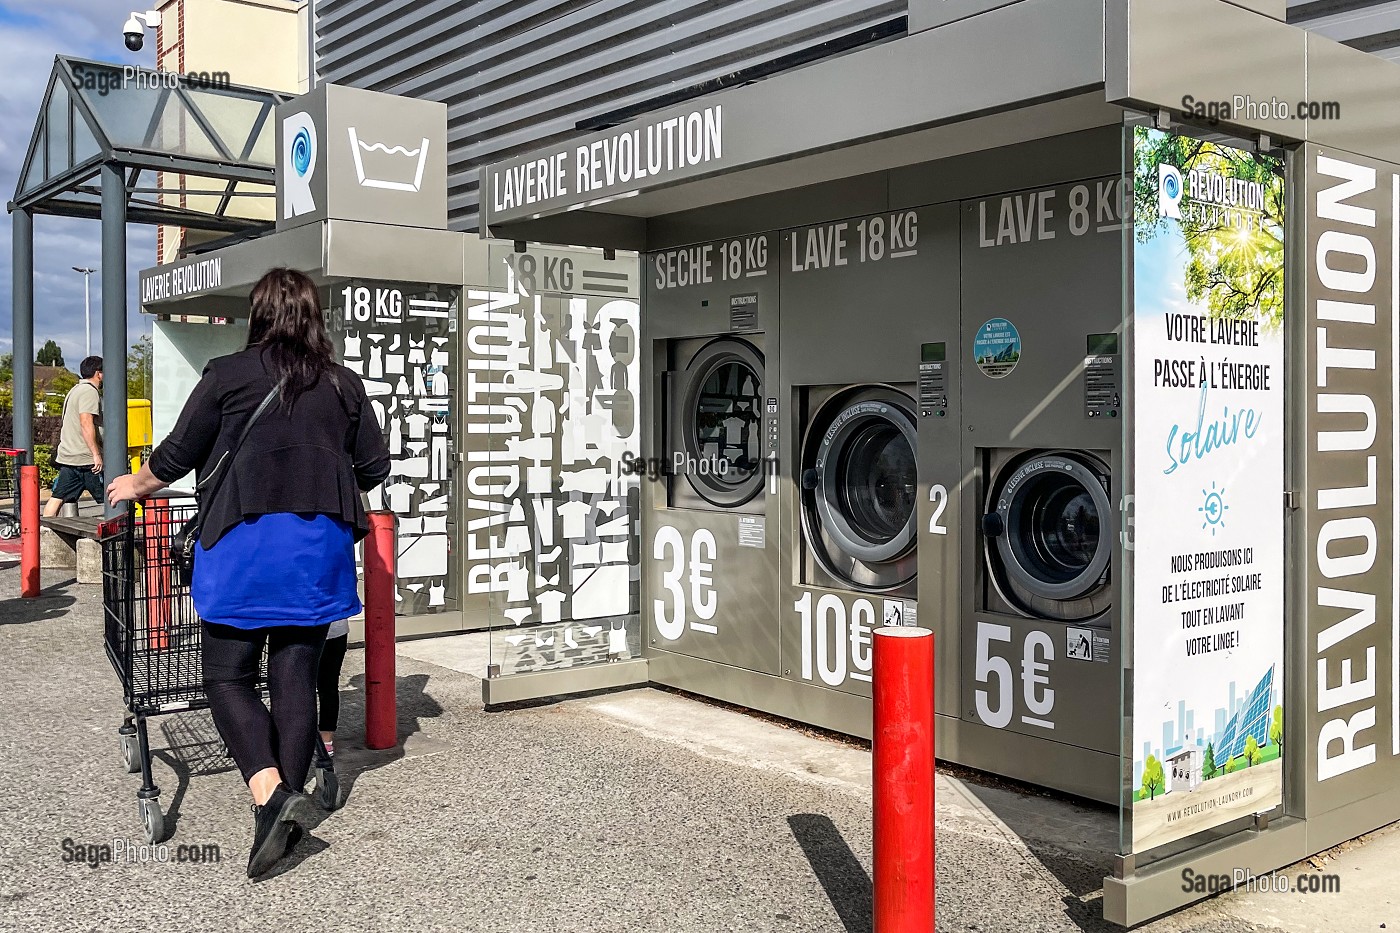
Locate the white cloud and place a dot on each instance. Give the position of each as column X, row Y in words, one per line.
column 31, row 35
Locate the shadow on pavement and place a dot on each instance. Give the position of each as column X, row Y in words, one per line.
column 352, row 758
column 1074, row 839
column 193, row 748
column 839, row 872
column 52, row 603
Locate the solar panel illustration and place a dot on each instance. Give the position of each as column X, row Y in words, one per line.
column 1253, row 719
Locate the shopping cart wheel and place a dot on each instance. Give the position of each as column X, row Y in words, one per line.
column 8, row 529
column 328, row 789
column 154, row 821
column 131, row 753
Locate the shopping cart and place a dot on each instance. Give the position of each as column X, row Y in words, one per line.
column 9, row 492
column 152, row 636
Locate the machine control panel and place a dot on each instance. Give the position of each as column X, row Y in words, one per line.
column 771, row 421
column 1103, row 394
column 933, row 380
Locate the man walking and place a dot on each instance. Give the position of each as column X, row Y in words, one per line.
column 79, row 454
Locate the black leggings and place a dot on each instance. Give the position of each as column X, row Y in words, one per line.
column 328, row 682
column 258, row 739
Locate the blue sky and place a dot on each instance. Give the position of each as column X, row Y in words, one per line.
column 31, row 34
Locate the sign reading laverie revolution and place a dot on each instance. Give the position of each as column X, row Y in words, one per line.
column 634, row 156
column 1208, row 486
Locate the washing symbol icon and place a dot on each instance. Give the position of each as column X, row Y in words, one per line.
column 1213, row 509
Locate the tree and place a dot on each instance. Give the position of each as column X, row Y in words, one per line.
column 1208, row 766
column 57, row 391
column 7, row 367
column 1251, row 751
column 49, row 354
column 1238, row 271
column 1276, row 730
column 138, row 369
column 1152, row 778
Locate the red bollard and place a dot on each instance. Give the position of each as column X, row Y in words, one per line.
column 381, row 701
column 903, row 764
column 29, row 531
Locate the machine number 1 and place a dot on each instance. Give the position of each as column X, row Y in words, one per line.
column 1037, row 653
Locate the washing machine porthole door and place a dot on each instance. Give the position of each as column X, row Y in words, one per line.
column 1055, row 512
column 722, row 423
column 867, row 481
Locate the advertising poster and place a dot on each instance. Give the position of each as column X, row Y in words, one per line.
column 1208, row 495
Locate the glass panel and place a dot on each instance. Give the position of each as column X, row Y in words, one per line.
column 1203, row 286
column 56, row 120
column 552, row 518
column 231, row 116
column 85, row 145
column 124, row 112
column 400, row 339
column 265, row 149
column 178, row 132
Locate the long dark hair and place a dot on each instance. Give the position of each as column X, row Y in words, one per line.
column 286, row 323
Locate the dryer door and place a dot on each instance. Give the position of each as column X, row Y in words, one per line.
column 716, row 435
column 860, row 488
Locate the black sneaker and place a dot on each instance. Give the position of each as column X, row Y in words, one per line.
column 272, row 825
column 294, row 837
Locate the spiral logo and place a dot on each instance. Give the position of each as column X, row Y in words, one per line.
column 297, row 165
column 1169, row 191
column 302, row 151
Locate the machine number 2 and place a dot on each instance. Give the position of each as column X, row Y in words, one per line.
column 938, row 495
column 1037, row 653
column 669, row 547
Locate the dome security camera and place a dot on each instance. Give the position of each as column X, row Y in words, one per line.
column 134, row 32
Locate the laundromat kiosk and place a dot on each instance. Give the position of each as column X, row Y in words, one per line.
column 988, row 329
column 418, row 312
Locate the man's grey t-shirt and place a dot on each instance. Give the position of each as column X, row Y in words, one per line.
column 83, row 399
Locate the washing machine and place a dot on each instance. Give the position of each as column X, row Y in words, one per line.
column 1046, row 546
column 1041, row 455
column 859, row 488
column 860, row 296
column 710, row 504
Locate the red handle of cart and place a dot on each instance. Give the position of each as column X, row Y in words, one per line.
column 381, row 701
column 903, row 775
column 160, row 593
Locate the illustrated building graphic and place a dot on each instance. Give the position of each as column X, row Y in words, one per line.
column 1253, row 719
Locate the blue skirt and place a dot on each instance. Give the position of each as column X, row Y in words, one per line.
column 278, row 569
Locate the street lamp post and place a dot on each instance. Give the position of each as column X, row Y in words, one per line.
column 87, row 306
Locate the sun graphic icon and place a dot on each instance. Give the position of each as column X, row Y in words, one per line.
column 1213, row 509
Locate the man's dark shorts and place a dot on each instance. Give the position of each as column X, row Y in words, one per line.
column 72, row 481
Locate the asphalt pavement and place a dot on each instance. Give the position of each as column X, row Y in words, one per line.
column 639, row 810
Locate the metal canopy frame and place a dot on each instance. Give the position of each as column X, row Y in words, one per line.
column 100, row 127
column 218, row 138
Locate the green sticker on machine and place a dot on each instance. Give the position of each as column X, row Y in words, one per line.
column 997, row 347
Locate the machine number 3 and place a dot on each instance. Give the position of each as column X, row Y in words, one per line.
column 704, row 600
column 1039, row 698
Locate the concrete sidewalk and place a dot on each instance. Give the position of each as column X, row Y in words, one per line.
column 632, row 811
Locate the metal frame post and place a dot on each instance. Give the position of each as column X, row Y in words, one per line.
column 22, row 293
column 114, row 336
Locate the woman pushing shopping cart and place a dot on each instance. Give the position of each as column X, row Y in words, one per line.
column 283, row 441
